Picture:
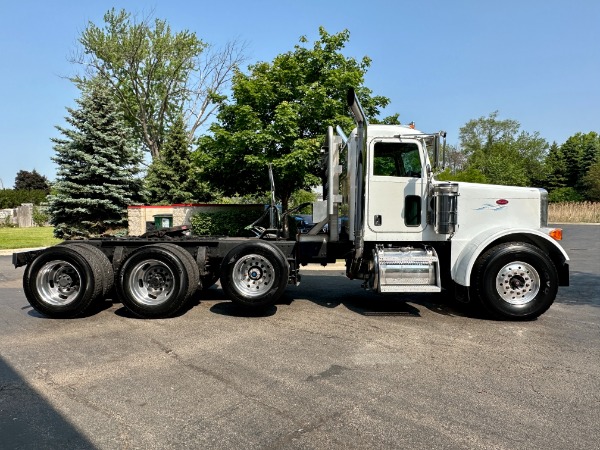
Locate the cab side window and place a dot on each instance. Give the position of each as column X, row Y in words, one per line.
column 395, row 159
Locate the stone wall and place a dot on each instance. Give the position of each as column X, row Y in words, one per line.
column 25, row 215
column 8, row 215
column 22, row 216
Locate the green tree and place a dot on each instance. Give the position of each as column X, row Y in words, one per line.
column 456, row 159
column 503, row 153
column 555, row 168
column 572, row 151
column 171, row 177
column 26, row 180
column 532, row 151
column 156, row 73
column 581, row 151
column 97, row 164
column 279, row 115
column 591, row 182
column 480, row 135
column 469, row 175
column 302, row 196
column 10, row 198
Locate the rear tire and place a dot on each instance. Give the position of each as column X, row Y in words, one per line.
column 190, row 265
column 254, row 274
column 156, row 281
column 515, row 281
column 63, row 281
column 108, row 275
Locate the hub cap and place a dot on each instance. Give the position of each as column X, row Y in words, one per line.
column 58, row 283
column 518, row 283
column 151, row 282
column 253, row 275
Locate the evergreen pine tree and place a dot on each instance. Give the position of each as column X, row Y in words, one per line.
column 556, row 168
column 171, row 177
column 590, row 154
column 572, row 151
column 581, row 151
column 97, row 166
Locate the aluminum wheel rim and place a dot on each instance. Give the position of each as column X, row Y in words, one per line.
column 151, row 282
column 58, row 283
column 518, row 283
column 253, row 275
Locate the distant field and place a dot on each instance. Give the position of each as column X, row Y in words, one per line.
column 580, row 212
column 27, row 237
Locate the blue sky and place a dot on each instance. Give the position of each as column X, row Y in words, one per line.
column 440, row 62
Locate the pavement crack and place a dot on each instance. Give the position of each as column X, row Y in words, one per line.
column 235, row 387
column 70, row 392
column 284, row 442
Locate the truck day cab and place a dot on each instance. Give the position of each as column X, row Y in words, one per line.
column 405, row 232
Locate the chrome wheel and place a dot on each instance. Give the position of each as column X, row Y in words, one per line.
column 517, row 283
column 58, row 283
column 252, row 275
column 151, row 282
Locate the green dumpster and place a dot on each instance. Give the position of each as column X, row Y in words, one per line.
column 163, row 221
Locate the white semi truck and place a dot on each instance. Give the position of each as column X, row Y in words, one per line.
column 402, row 232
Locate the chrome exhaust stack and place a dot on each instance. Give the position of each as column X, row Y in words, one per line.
column 356, row 109
column 358, row 162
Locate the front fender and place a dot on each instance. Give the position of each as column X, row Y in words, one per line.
column 463, row 265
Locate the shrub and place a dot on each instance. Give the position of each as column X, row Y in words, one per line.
column 7, row 223
column 11, row 198
column 224, row 223
column 248, row 199
column 40, row 217
column 565, row 194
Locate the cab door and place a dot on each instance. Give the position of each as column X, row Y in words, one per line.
column 396, row 192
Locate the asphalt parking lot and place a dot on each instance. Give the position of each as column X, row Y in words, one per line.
column 331, row 366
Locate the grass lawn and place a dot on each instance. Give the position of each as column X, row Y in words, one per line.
column 27, row 237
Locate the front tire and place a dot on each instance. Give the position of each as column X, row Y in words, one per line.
column 515, row 281
column 254, row 274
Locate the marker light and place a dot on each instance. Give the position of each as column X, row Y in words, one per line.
column 556, row 234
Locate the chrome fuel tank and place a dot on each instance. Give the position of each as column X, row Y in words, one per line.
column 406, row 269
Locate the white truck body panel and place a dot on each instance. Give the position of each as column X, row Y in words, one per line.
column 486, row 212
column 465, row 253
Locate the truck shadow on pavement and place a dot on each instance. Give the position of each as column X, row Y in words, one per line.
column 351, row 295
column 27, row 420
column 339, row 291
column 343, row 292
column 397, row 305
column 94, row 309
